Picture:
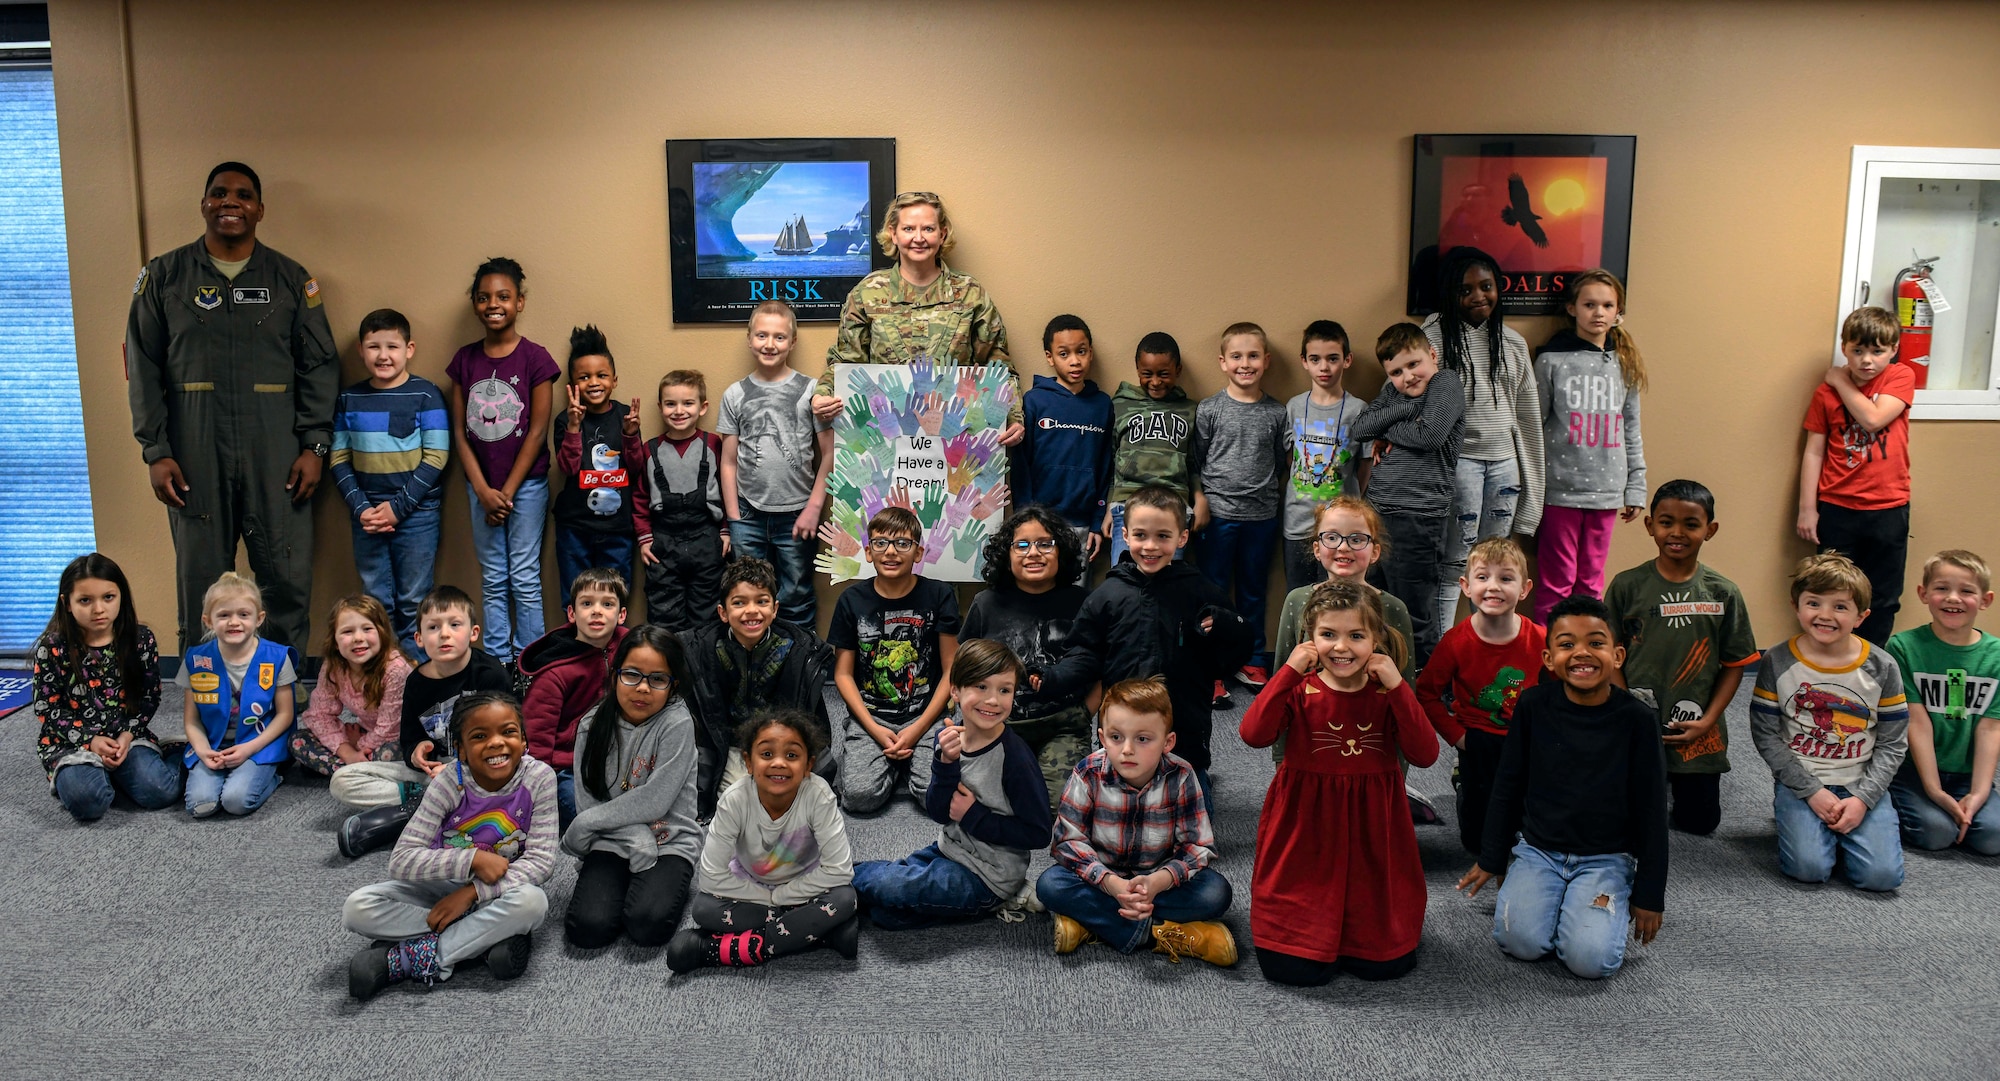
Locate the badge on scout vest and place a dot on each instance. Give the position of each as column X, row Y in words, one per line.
column 267, row 674
column 207, row 298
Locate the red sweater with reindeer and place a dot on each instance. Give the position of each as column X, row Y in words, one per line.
column 1482, row 680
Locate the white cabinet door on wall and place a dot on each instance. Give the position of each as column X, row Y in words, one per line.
column 1907, row 205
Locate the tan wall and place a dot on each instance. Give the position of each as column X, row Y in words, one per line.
column 1150, row 165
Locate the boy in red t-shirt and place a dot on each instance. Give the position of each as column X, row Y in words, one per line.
column 1854, row 479
column 1484, row 664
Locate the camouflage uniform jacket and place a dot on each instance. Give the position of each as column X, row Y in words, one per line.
column 886, row 320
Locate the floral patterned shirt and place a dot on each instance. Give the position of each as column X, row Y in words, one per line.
column 80, row 694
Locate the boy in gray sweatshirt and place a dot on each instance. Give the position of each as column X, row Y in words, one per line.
column 1411, row 430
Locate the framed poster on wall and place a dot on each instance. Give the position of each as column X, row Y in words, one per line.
column 750, row 220
column 1544, row 206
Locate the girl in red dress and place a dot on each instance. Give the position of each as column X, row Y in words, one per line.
column 1337, row 886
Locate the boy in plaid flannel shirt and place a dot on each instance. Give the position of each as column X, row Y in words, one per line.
column 1133, row 841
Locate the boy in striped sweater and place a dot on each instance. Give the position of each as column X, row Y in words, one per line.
column 391, row 436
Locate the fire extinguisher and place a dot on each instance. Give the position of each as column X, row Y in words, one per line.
column 1914, row 293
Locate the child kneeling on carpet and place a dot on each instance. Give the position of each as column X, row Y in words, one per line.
column 635, row 828
column 470, row 866
column 986, row 791
column 363, row 677
column 1337, row 886
column 1133, row 841
column 239, row 703
column 776, row 875
column 1581, row 799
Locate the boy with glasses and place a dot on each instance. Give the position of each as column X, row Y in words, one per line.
column 893, row 637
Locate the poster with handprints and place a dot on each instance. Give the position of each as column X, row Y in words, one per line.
column 925, row 438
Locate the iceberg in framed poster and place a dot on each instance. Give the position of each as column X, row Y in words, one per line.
column 751, row 220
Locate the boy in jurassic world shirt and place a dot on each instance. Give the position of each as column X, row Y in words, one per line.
column 1687, row 644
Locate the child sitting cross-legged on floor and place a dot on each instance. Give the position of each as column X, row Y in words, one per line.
column 1133, row 841
column 986, row 791
column 776, row 874
column 469, row 868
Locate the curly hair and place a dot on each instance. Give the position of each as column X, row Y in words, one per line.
column 998, row 568
column 800, row 722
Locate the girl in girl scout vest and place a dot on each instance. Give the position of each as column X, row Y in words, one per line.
column 239, row 703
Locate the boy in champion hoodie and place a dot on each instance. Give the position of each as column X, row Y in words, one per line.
column 567, row 670
column 1064, row 461
column 1154, row 616
column 1152, row 441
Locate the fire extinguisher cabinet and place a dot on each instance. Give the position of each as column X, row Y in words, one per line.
column 1923, row 241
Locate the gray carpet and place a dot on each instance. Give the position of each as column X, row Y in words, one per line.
column 149, row 945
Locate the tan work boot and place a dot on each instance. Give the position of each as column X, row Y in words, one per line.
column 1205, row 939
column 1071, row 934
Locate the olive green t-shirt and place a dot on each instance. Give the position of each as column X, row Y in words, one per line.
column 1678, row 638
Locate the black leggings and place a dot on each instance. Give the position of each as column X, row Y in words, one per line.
column 1477, row 765
column 1306, row 972
column 786, row 930
column 610, row 898
column 1697, row 801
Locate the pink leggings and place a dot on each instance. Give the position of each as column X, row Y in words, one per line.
column 1572, row 548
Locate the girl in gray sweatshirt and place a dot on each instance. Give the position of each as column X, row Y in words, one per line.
column 1588, row 379
column 635, row 827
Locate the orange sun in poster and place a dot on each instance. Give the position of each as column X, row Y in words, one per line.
column 1530, row 213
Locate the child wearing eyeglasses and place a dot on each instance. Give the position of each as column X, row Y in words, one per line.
column 567, row 670
column 893, row 637
column 1031, row 567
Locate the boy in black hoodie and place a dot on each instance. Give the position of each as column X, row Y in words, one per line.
column 746, row 663
column 1155, row 617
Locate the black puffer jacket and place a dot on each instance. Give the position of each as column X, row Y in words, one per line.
column 1136, row 626
column 801, row 684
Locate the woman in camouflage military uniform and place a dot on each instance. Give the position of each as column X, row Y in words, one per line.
column 921, row 308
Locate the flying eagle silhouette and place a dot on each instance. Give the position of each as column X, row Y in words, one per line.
column 1521, row 213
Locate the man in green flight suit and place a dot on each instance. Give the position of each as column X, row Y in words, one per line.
column 233, row 376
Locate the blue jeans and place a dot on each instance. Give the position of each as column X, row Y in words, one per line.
column 396, row 569
column 1241, row 550
column 510, row 569
column 921, row 889
column 1575, row 906
column 1926, row 826
column 767, row 535
column 1205, row 896
column 1117, row 538
column 238, row 791
column 579, row 550
column 86, row 790
column 565, row 799
column 1806, row 847
column 1488, row 494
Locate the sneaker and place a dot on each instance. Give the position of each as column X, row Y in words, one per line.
column 1205, row 939
column 1422, row 811
column 510, row 958
column 1071, row 934
column 690, row 950
column 368, row 972
column 1221, row 697
column 1253, row 677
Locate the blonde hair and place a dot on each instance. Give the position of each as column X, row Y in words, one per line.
column 231, row 584
column 1630, row 364
column 774, row 307
column 371, row 674
column 887, row 236
column 1499, row 551
column 1336, row 595
column 1969, row 562
column 684, row 377
column 1234, row 330
column 1830, row 573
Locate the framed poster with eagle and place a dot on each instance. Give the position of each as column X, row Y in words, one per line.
column 1543, row 206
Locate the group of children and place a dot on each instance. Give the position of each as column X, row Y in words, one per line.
column 686, row 762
